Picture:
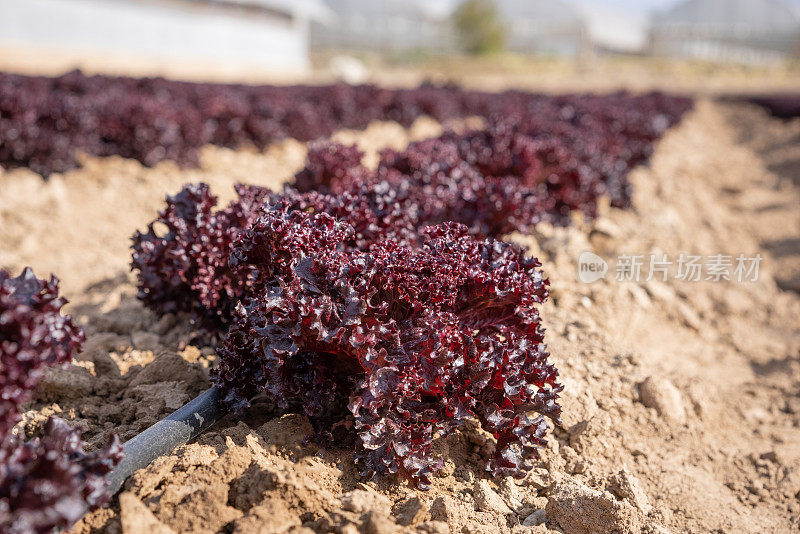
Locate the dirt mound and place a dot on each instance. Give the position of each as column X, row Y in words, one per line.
column 79, row 224
column 777, row 142
column 681, row 406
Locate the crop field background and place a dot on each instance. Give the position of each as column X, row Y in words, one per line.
column 680, row 410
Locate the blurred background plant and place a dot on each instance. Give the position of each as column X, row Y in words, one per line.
column 479, row 28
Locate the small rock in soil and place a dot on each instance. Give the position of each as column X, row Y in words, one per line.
column 136, row 518
column 536, row 518
column 361, row 501
column 537, row 478
column 376, row 522
column 411, row 512
column 578, row 509
column 626, row 486
column 664, row 397
column 272, row 515
column 445, row 509
column 487, row 500
column 509, row 491
column 577, row 402
column 74, row 382
column 433, row 527
column 168, row 367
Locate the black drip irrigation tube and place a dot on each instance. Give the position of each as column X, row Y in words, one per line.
column 177, row 429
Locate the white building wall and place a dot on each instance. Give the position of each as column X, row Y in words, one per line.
column 169, row 30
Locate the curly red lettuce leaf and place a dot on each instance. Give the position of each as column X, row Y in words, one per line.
column 182, row 258
column 34, row 335
column 331, row 168
column 49, row 482
column 408, row 343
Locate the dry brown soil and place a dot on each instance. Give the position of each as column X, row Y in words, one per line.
column 682, row 399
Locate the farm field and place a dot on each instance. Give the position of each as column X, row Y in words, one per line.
column 681, row 400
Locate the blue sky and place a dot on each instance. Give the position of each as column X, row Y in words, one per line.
column 618, row 23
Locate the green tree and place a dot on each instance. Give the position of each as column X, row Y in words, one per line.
column 479, row 27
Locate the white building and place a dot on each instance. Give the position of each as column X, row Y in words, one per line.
column 741, row 31
column 543, row 27
column 264, row 34
column 384, row 26
column 532, row 26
